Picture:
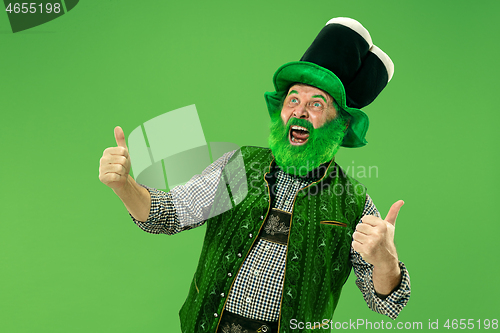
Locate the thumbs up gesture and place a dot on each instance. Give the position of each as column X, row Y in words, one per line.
column 115, row 163
column 374, row 238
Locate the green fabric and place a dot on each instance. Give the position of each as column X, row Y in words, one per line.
column 319, row 77
column 322, row 144
column 317, row 263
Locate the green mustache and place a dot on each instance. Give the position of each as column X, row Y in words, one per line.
column 300, row 122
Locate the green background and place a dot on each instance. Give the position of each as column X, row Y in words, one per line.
column 73, row 261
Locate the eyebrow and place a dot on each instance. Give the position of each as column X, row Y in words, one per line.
column 293, row 91
column 320, row 96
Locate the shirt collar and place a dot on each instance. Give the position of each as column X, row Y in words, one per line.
column 311, row 176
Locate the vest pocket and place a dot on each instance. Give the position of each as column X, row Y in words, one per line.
column 337, row 223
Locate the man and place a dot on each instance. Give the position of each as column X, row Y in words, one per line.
column 277, row 260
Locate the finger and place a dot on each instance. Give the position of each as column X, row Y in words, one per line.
column 116, row 151
column 370, row 220
column 114, row 168
column 114, row 159
column 120, row 137
column 364, row 228
column 393, row 212
column 359, row 237
column 109, row 178
column 358, row 247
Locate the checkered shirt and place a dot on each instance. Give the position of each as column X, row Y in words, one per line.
column 256, row 292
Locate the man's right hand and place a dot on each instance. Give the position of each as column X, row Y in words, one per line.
column 115, row 163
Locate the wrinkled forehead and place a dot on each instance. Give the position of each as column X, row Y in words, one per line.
column 315, row 90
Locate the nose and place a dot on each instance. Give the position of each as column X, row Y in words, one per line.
column 300, row 112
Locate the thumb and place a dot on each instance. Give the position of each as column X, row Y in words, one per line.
column 393, row 212
column 120, row 137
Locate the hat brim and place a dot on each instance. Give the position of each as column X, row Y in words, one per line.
column 319, row 77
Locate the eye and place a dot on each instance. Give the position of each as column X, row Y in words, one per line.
column 294, row 100
column 317, row 104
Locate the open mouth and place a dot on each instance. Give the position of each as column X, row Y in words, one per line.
column 298, row 135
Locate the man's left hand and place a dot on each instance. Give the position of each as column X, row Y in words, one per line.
column 374, row 238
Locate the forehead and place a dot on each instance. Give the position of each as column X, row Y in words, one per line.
column 307, row 89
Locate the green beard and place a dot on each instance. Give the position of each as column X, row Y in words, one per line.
column 321, row 146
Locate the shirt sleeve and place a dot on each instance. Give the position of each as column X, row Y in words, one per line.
column 162, row 217
column 184, row 206
column 392, row 304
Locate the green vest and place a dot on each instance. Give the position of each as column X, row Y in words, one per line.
column 324, row 217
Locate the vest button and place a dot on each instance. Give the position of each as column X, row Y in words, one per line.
column 250, row 235
column 229, row 274
column 222, row 294
column 239, row 255
column 264, row 328
column 262, row 217
column 216, row 315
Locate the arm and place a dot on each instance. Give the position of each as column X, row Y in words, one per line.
column 114, row 172
column 155, row 211
column 386, row 278
column 384, row 292
column 136, row 199
column 389, row 305
column 185, row 206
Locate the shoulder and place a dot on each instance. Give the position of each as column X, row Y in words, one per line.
column 358, row 187
column 254, row 149
column 253, row 153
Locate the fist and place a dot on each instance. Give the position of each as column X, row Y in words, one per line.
column 374, row 238
column 115, row 163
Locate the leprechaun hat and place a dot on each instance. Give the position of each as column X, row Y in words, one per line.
column 342, row 61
